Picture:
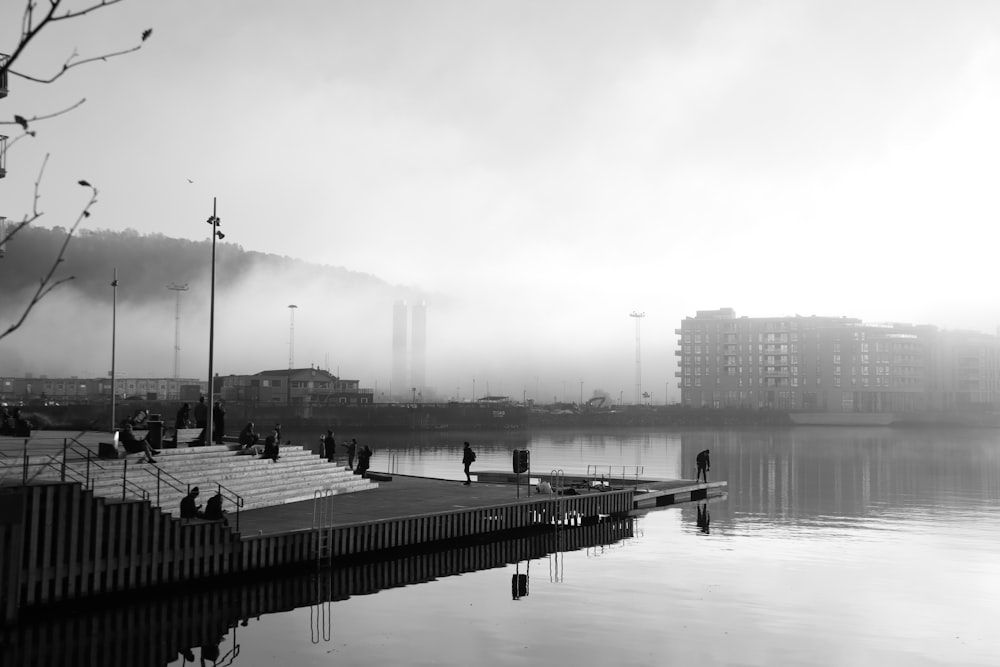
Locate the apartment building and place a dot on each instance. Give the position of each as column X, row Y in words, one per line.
column 833, row 364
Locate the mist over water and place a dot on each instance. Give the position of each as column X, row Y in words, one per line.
column 498, row 342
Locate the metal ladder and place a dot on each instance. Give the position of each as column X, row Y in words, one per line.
column 321, row 525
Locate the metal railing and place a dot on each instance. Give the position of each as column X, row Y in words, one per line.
column 625, row 474
column 31, row 468
column 233, row 497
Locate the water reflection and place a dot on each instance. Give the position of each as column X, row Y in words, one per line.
column 171, row 629
column 833, row 547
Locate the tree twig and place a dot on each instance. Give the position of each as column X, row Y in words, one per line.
column 23, row 122
column 49, row 282
column 30, row 29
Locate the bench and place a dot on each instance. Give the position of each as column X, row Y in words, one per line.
column 114, row 450
column 177, row 436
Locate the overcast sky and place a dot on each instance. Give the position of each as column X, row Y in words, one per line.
column 551, row 166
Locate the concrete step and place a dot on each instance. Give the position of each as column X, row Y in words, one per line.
column 296, row 476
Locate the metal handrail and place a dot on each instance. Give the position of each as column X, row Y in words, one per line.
column 594, row 470
column 184, row 487
column 84, row 479
column 236, row 499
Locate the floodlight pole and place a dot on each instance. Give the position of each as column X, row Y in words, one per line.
column 214, row 221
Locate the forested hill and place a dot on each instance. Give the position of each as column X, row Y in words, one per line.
column 148, row 263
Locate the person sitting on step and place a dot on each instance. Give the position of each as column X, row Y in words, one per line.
column 271, row 448
column 214, row 511
column 190, row 510
column 133, row 445
column 249, row 439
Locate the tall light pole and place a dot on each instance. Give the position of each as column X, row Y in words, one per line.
column 216, row 233
column 291, row 336
column 177, row 326
column 638, row 357
column 114, row 331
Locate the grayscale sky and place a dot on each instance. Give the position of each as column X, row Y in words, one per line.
column 551, row 166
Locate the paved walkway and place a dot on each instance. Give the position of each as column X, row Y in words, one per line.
column 403, row 496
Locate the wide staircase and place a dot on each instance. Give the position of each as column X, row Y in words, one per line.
column 245, row 480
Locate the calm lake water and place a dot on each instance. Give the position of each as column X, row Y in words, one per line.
column 833, row 547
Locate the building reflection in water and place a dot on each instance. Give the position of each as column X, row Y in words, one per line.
column 207, row 620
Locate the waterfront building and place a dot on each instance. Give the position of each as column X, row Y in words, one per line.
column 833, row 364
column 76, row 391
column 294, row 386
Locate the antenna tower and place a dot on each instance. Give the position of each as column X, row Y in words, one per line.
column 177, row 326
column 638, row 357
column 291, row 336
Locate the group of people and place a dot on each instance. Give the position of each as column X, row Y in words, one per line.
column 213, row 508
column 200, row 420
column 13, row 423
column 250, row 442
column 363, row 452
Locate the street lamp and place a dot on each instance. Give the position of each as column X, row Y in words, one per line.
column 114, row 327
column 216, row 233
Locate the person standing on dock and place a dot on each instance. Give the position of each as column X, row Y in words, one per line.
column 704, row 465
column 218, row 421
column 351, row 451
column 364, row 460
column 201, row 420
column 468, row 458
column 329, row 446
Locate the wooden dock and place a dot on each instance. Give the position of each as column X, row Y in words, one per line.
column 59, row 542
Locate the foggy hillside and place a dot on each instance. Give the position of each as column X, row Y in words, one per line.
column 147, row 264
column 343, row 317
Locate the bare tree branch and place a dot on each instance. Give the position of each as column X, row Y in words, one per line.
column 35, row 213
column 36, row 18
column 30, row 29
column 23, row 122
column 49, row 282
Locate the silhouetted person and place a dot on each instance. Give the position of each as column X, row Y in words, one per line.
column 214, row 511
column 329, row 446
column 201, row 420
column 211, row 652
column 364, row 460
column 271, row 448
column 6, row 422
column 190, row 509
column 134, row 445
column 704, row 518
column 182, row 420
column 351, row 451
column 218, row 421
column 468, row 458
column 704, row 465
column 248, row 437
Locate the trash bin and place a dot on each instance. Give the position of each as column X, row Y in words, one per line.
column 521, row 461
column 155, row 435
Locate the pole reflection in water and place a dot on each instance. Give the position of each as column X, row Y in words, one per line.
column 172, row 627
